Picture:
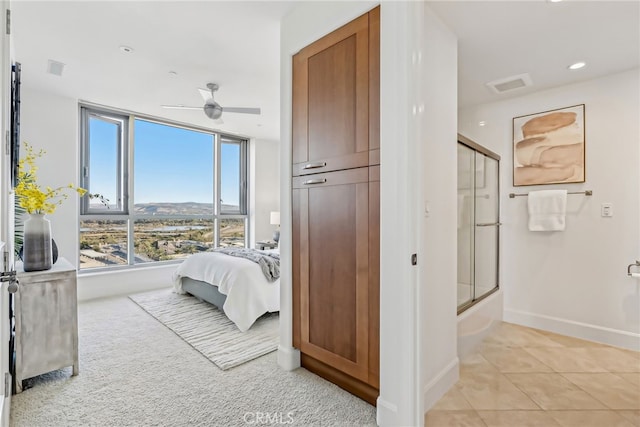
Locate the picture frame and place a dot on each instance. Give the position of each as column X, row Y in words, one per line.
column 549, row 147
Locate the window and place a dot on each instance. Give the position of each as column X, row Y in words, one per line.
column 168, row 191
column 103, row 157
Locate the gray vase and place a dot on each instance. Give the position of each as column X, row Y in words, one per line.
column 37, row 253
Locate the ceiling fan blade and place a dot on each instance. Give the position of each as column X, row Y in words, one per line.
column 240, row 110
column 205, row 94
column 180, row 107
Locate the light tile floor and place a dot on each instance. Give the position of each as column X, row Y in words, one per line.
column 523, row 377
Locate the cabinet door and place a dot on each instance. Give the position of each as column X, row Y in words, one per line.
column 331, row 269
column 374, row 276
column 331, row 101
column 46, row 324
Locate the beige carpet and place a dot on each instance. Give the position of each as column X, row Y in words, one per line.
column 204, row 327
column 136, row 372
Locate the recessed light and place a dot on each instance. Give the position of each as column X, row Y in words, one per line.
column 554, row 1
column 577, row 65
column 126, row 49
column 481, row 123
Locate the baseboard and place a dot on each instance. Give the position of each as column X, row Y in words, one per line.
column 386, row 412
column 126, row 281
column 585, row 331
column 288, row 358
column 439, row 385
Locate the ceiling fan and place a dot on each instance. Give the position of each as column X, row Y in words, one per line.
column 211, row 108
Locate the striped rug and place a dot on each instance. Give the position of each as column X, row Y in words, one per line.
column 208, row 330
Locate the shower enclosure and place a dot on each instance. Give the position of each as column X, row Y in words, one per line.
column 478, row 222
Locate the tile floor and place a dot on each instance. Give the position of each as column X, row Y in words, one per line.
column 523, row 377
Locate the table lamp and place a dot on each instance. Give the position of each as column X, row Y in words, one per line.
column 275, row 220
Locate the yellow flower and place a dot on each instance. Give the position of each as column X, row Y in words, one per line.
column 28, row 192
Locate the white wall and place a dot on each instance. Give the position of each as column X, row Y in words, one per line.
column 416, row 300
column 50, row 122
column 264, row 182
column 436, row 174
column 574, row 282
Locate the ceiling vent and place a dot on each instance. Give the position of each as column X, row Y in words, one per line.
column 509, row 84
column 55, row 67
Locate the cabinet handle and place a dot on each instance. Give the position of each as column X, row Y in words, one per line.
column 314, row 181
column 315, row 165
column 489, row 224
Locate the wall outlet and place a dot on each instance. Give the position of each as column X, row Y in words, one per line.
column 606, row 210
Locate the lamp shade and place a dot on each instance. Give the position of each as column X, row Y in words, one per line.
column 275, row 218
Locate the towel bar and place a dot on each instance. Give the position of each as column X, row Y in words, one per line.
column 586, row 193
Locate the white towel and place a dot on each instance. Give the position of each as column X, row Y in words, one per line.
column 547, row 210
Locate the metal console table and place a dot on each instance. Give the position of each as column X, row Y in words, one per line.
column 46, row 321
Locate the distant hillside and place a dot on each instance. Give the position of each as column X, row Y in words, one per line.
column 186, row 208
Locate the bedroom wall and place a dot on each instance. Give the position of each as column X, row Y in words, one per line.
column 418, row 143
column 574, row 282
column 54, row 128
column 264, row 182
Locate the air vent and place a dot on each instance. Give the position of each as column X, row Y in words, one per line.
column 509, row 84
column 55, row 67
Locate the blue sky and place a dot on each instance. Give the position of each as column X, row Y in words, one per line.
column 170, row 164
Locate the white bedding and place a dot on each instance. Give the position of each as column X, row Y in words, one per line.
column 249, row 293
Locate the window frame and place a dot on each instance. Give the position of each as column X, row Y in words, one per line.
column 243, row 191
column 127, row 174
column 122, row 187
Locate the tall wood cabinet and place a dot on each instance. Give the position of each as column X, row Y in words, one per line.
column 336, row 205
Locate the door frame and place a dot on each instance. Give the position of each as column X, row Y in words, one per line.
column 6, row 213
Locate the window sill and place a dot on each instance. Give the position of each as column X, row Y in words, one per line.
column 128, row 268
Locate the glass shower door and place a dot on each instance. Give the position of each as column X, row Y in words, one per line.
column 486, row 225
column 466, row 247
column 478, row 223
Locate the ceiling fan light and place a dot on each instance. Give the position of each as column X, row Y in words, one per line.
column 212, row 110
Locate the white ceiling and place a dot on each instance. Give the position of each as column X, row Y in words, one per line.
column 498, row 39
column 236, row 44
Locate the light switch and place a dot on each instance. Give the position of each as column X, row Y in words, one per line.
column 606, row 210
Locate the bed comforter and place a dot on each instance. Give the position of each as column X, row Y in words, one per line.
column 249, row 294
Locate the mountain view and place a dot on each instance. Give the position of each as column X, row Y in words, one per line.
column 104, row 242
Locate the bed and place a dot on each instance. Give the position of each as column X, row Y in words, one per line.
column 235, row 285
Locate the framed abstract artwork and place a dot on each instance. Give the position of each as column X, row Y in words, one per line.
column 549, row 147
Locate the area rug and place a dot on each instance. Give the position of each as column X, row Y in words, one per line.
column 208, row 330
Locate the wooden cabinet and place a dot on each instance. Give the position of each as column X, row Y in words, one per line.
column 336, row 83
column 46, row 321
column 336, row 205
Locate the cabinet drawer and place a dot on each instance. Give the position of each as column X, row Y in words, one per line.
column 351, row 161
column 349, row 176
